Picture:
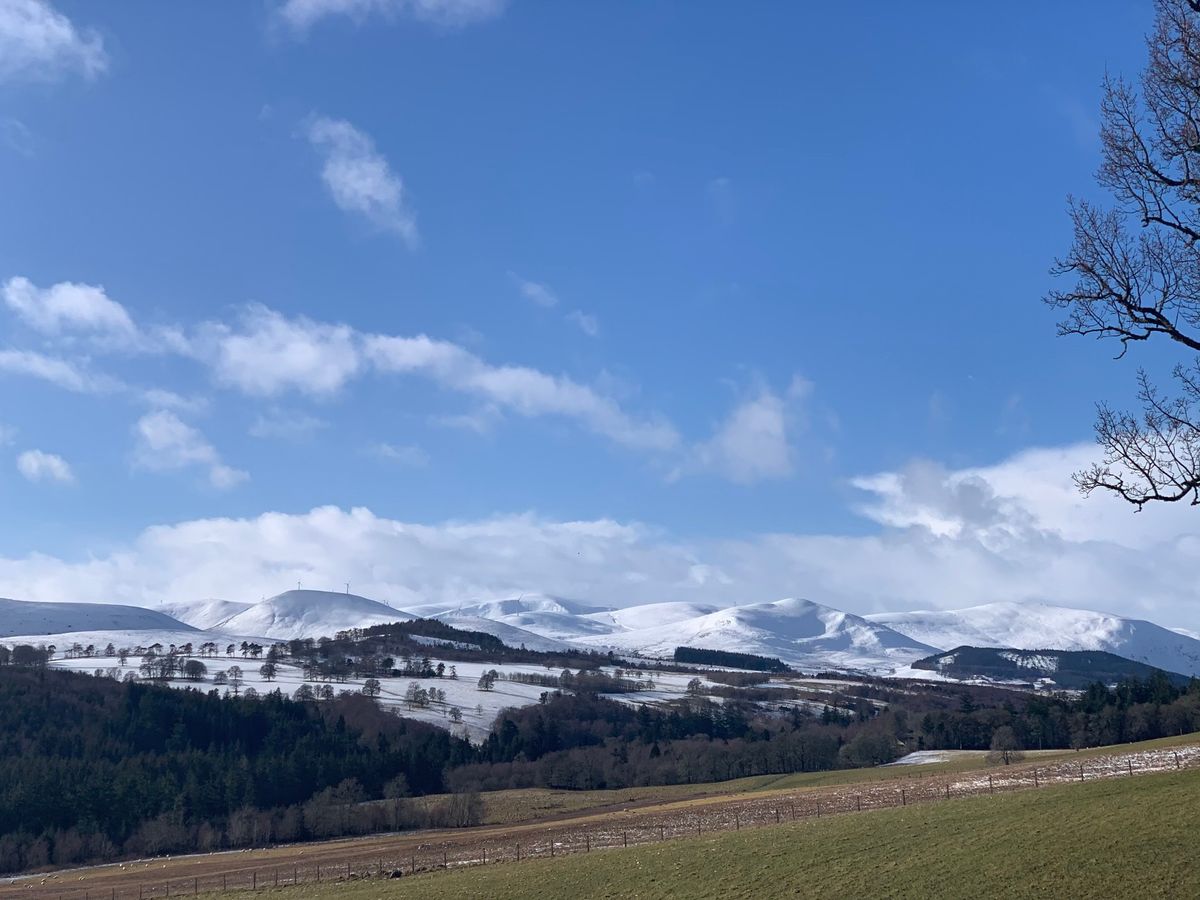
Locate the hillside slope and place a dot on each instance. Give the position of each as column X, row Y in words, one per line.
column 1041, row 625
column 301, row 614
column 30, row 618
column 203, row 613
column 799, row 632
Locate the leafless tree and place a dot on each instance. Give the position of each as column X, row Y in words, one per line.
column 1137, row 266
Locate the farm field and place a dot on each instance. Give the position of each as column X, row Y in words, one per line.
column 557, row 824
column 1104, row 839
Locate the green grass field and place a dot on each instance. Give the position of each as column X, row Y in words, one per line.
column 513, row 807
column 1115, row 838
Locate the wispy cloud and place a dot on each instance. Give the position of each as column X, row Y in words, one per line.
column 37, row 465
column 517, row 389
column 60, row 372
column 286, row 425
column 754, row 443
column 38, row 43
column 588, row 324
column 165, row 443
column 534, row 291
column 303, row 14
column 402, row 454
column 359, row 179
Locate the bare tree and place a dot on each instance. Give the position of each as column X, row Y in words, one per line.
column 1137, row 266
column 1006, row 747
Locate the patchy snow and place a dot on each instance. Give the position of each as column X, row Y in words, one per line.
column 921, row 758
column 1040, row 626
column 1046, row 663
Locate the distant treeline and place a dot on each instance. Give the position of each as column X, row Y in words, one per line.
column 700, row 656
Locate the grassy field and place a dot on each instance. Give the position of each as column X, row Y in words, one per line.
column 534, row 804
column 1114, row 838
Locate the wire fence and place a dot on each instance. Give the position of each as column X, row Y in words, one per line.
column 137, row 880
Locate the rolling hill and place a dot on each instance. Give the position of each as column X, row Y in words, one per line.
column 29, row 618
column 1041, row 625
column 299, row 614
column 1067, row 669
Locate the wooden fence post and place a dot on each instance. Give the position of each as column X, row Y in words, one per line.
column 903, row 798
column 1130, row 761
column 1035, row 778
column 662, row 833
column 625, row 838
column 858, row 803
column 793, row 806
column 588, row 839
column 991, row 787
column 445, row 864
column 737, row 822
column 518, row 852
column 1081, row 771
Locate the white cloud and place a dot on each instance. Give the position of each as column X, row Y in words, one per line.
column 67, row 307
column 402, row 454
column 165, row 443
column 754, row 443
column 589, row 325
column 517, row 389
column 359, row 178
column 267, row 354
column 624, row 563
column 302, row 14
column 38, row 43
column 16, row 136
column 60, row 372
column 36, row 465
column 286, row 425
column 534, row 291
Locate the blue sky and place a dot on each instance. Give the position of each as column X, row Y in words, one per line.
column 710, row 273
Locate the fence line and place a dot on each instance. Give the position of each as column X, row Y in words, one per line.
column 551, row 841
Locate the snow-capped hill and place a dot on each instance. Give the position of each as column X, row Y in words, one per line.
column 29, row 618
column 203, row 613
column 1042, row 626
column 509, row 634
column 301, row 614
column 550, row 617
column 633, row 618
column 800, row 632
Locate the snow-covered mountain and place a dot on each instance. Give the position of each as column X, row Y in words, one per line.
column 551, row 617
column 203, row 613
column 799, row 632
column 1040, row 626
column 299, row 614
column 29, row 618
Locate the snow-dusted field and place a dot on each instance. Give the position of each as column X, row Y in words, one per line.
column 479, row 708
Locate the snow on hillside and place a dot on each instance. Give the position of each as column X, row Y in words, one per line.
column 799, row 632
column 24, row 617
column 551, row 617
column 509, row 634
column 634, row 618
column 203, row 613
column 1040, row 626
column 300, row 614
column 128, row 639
